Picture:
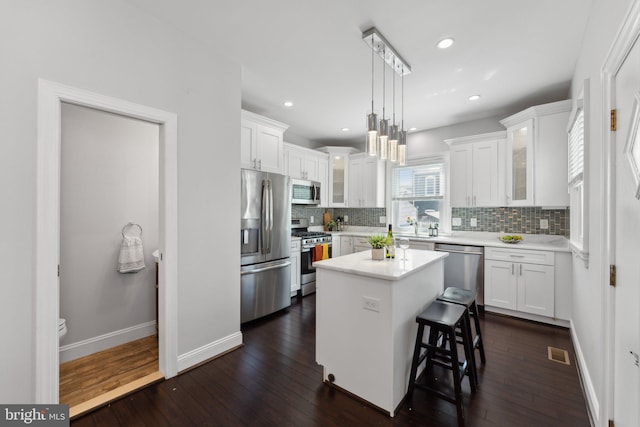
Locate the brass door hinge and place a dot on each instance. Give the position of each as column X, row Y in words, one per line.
column 614, row 120
column 611, row 424
column 612, row 275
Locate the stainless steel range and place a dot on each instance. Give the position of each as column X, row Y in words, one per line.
column 308, row 242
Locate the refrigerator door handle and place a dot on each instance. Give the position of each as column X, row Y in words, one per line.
column 264, row 227
column 267, row 268
column 270, row 224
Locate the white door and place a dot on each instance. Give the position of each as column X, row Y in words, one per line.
column 500, row 287
column 536, row 289
column 626, row 252
column 461, row 158
column 485, row 174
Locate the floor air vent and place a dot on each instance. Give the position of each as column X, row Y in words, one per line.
column 558, row 355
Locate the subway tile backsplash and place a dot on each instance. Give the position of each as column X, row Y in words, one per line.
column 524, row 220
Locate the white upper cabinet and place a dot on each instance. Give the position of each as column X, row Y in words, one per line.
column 261, row 143
column 366, row 181
column 475, row 170
column 304, row 163
column 536, row 157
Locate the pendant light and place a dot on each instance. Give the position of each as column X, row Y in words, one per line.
column 402, row 136
column 372, row 119
column 383, row 138
column 393, row 131
column 390, row 143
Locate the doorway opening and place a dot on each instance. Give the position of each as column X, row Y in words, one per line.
column 51, row 96
column 109, row 186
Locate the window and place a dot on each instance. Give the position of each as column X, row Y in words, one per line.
column 418, row 192
column 576, row 180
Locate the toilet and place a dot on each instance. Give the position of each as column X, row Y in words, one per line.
column 62, row 329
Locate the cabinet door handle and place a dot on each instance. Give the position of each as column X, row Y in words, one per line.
column 260, row 164
column 521, row 269
column 474, row 201
column 468, row 201
column 512, row 269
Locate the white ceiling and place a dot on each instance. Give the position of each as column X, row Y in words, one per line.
column 514, row 53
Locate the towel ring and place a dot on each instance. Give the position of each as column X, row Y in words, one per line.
column 131, row 224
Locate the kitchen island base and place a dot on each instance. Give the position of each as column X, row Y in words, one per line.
column 366, row 321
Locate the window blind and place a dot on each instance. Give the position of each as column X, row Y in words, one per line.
column 576, row 148
column 418, row 182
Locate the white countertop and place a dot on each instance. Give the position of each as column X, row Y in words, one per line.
column 542, row 242
column 361, row 263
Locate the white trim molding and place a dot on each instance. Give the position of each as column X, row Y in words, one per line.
column 47, row 301
column 209, row 351
column 593, row 405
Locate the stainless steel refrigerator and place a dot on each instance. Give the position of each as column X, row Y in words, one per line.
column 265, row 236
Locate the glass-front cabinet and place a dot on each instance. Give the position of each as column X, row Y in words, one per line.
column 519, row 173
column 338, row 174
column 338, row 167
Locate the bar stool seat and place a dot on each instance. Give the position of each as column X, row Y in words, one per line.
column 467, row 298
column 443, row 319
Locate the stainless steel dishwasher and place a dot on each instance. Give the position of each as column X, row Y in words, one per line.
column 464, row 268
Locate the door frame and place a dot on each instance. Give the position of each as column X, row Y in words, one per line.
column 47, row 254
column 624, row 41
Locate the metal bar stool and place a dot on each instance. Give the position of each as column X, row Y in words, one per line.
column 443, row 319
column 467, row 298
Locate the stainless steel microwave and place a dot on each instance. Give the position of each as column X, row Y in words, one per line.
column 305, row 192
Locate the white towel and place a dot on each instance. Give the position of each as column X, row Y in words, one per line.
column 131, row 258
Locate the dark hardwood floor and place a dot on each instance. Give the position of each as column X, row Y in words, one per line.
column 273, row 380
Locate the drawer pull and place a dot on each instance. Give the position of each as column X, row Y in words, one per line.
column 516, row 256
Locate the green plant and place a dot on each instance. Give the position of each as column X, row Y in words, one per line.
column 331, row 224
column 378, row 241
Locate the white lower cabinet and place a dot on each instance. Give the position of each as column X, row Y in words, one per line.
column 295, row 266
column 360, row 244
column 346, row 245
column 520, row 280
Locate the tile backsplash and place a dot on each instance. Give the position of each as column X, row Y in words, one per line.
column 524, row 220
column 503, row 219
column 366, row 217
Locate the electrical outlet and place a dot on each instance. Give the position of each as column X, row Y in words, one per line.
column 383, row 220
column 346, row 218
column 544, row 224
column 473, row 222
column 312, row 219
column 457, row 222
column 369, row 303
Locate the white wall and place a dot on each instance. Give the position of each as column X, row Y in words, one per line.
column 118, row 50
column 109, row 177
column 588, row 286
column 432, row 140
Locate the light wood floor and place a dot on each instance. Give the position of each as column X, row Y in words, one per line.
column 84, row 379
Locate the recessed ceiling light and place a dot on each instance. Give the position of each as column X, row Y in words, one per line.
column 345, row 129
column 412, row 129
column 445, row 43
column 287, row 104
column 474, row 97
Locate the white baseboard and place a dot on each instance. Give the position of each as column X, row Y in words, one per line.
column 209, row 351
column 587, row 385
column 92, row 345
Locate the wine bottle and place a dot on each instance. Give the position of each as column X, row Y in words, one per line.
column 391, row 250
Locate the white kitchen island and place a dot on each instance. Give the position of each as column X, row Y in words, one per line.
column 366, row 320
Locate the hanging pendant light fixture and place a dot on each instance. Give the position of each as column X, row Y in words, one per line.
column 372, row 119
column 383, row 138
column 402, row 135
column 390, row 137
column 393, row 131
